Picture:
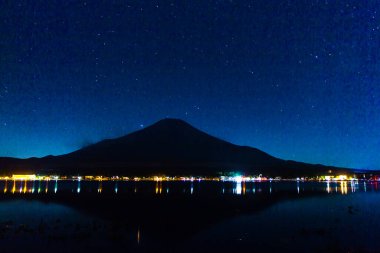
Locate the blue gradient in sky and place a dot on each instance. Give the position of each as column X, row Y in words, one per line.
column 297, row 79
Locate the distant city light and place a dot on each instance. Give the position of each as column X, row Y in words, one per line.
column 238, row 179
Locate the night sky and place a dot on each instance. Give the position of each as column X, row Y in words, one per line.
column 297, row 79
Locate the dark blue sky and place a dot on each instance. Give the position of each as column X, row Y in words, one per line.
column 297, row 79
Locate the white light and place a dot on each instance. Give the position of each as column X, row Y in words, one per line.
column 238, row 188
column 238, row 179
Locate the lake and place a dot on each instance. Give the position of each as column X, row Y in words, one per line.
column 198, row 216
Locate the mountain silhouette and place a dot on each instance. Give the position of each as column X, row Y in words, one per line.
column 170, row 146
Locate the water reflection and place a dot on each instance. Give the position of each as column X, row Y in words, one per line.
column 100, row 186
column 158, row 187
column 162, row 223
column 33, row 186
column 328, row 189
column 56, row 186
column 46, row 185
column 343, row 187
column 39, row 186
column 78, row 188
column 138, row 237
column 14, row 186
column 6, row 186
column 237, row 190
column 191, row 188
column 25, row 186
column 116, row 187
column 20, row 189
column 353, row 186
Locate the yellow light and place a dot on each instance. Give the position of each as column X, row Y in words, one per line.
column 6, row 186
column 138, row 235
column 47, row 186
column 342, row 177
column 23, row 177
column 343, row 187
column 25, row 187
column 14, row 186
column 100, row 187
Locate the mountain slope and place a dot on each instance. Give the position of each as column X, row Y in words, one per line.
column 169, row 146
column 170, row 141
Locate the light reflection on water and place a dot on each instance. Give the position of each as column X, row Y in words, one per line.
column 56, row 186
column 100, row 186
column 138, row 237
column 78, row 189
column 192, row 188
column 237, row 189
column 140, row 234
column 158, row 187
column 47, row 186
column 6, row 186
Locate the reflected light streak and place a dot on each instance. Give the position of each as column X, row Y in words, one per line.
column 25, row 186
column 56, row 186
column 47, row 186
column 343, row 187
column 6, row 186
column 78, row 188
column 21, row 186
column 138, row 235
column 34, row 185
column 116, row 187
column 237, row 189
column 14, row 186
column 100, row 186
column 158, row 187
column 39, row 186
column 353, row 187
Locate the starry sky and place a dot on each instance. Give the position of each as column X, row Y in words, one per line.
column 297, row 79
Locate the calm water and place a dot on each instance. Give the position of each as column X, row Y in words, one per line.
column 71, row 216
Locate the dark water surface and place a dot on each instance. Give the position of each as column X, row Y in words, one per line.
column 110, row 216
